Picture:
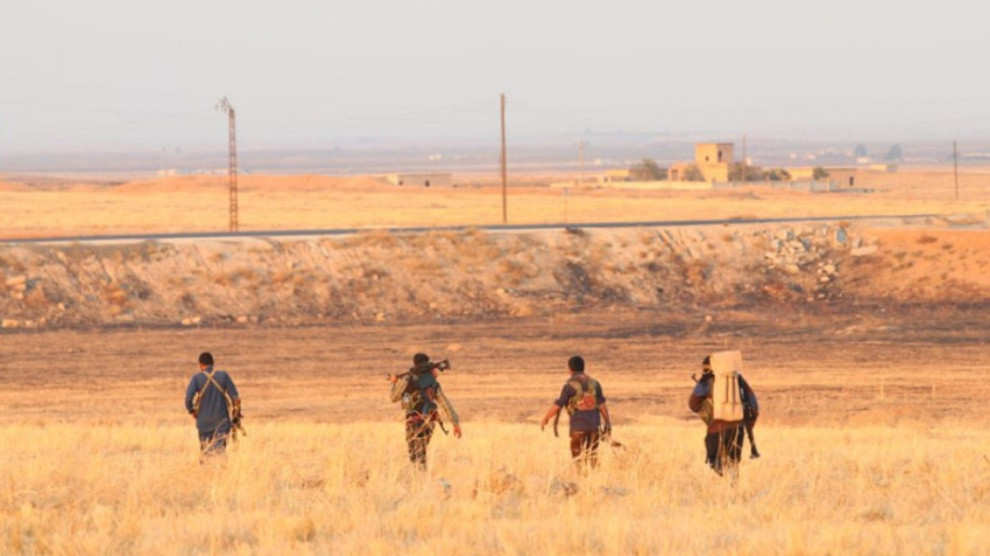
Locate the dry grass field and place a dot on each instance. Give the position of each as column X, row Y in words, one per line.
column 871, row 443
column 35, row 207
column 872, row 383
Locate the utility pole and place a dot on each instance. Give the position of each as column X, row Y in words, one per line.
column 955, row 165
column 505, row 206
column 744, row 165
column 224, row 106
column 581, row 158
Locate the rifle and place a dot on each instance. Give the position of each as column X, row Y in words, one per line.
column 235, row 425
column 605, row 437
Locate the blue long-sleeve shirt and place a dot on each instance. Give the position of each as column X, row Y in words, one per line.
column 213, row 411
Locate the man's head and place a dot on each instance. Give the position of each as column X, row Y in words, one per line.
column 576, row 364
column 205, row 359
column 420, row 358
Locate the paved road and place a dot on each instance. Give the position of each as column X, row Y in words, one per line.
column 329, row 232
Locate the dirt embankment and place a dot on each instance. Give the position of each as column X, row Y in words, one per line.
column 442, row 276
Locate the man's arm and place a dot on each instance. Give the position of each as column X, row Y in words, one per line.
column 190, row 394
column 699, row 394
column 603, row 409
column 551, row 413
column 751, row 402
column 566, row 393
column 398, row 387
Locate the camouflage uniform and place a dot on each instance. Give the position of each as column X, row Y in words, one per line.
column 423, row 401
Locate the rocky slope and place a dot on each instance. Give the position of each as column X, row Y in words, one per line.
column 439, row 276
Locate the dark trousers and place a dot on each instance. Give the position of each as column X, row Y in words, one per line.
column 418, row 435
column 723, row 450
column 214, row 443
column 584, row 447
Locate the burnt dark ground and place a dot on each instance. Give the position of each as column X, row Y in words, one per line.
column 875, row 366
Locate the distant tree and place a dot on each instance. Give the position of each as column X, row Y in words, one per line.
column 745, row 172
column 648, row 170
column 776, row 174
column 819, row 173
column 693, row 173
column 860, row 151
column 895, row 152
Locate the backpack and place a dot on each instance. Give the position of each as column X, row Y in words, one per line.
column 725, row 392
column 585, row 396
column 415, row 398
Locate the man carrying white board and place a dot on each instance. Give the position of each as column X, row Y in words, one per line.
column 725, row 402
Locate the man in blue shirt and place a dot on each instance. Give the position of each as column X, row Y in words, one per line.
column 585, row 402
column 212, row 399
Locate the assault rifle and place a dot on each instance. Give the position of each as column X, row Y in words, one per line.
column 235, row 424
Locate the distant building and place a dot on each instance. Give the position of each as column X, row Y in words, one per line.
column 421, row 180
column 613, row 176
column 841, row 177
column 713, row 160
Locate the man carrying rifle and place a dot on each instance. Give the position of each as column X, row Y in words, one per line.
column 212, row 399
column 585, row 403
column 423, row 402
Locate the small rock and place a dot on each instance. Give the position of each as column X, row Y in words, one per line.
column 863, row 251
column 9, row 323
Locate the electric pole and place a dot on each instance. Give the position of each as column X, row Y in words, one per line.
column 743, row 178
column 505, row 206
column 581, row 158
column 955, row 165
column 224, row 106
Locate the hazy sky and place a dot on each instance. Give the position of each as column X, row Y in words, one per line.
column 133, row 74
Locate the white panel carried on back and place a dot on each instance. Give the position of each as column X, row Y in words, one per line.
column 726, row 397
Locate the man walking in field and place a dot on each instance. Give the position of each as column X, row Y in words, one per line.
column 212, row 399
column 584, row 400
column 423, row 401
column 726, row 428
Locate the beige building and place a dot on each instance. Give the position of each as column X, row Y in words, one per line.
column 713, row 160
column 841, row 177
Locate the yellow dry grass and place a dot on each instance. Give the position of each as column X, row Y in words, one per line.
column 305, row 488
column 872, row 443
column 317, row 202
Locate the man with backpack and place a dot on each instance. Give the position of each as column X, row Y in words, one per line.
column 584, row 401
column 727, row 405
column 423, row 401
column 212, row 399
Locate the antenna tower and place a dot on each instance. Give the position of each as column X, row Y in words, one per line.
column 224, row 106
